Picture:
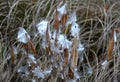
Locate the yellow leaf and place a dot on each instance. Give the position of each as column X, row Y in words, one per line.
column 67, row 28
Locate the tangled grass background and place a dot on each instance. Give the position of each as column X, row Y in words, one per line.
column 96, row 19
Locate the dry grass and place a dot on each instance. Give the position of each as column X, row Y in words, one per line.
column 96, row 19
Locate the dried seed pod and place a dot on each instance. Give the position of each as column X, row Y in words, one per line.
column 74, row 54
column 64, row 19
column 32, row 47
column 110, row 48
column 12, row 55
column 56, row 21
column 66, row 57
column 70, row 73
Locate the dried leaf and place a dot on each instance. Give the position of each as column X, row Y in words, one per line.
column 64, row 19
column 56, row 21
column 74, row 54
column 70, row 73
column 12, row 55
column 110, row 48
